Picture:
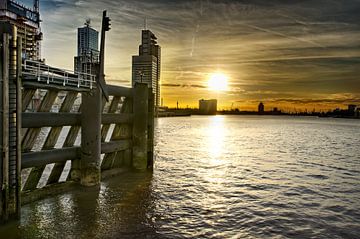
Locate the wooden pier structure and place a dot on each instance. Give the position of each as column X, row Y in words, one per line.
column 97, row 130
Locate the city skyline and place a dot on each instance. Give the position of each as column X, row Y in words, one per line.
column 289, row 55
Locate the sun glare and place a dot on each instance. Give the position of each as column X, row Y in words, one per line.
column 218, row 82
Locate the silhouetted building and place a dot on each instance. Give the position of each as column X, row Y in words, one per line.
column 27, row 22
column 146, row 66
column 261, row 108
column 87, row 48
column 208, row 107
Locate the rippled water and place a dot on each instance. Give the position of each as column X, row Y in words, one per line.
column 222, row 177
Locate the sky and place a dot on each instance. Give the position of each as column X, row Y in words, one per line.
column 289, row 54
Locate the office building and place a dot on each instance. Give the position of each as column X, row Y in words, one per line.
column 208, row 107
column 87, row 47
column 27, row 22
column 146, row 66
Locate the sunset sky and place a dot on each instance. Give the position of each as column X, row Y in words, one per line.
column 289, row 54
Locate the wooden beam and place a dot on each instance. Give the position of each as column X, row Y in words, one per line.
column 91, row 138
column 4, row 167
column 120, row 91
column 114, row 146
column 32, row 134
column 112, row 109
column 58, row 168
column 44, row 157
column 46, row 119
column 27, row 96
column 121, row 118
column 52, row 137
column 121, row 131
column 140, row 126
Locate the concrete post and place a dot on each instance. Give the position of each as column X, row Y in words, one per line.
column 140, row 126
column 91, row 137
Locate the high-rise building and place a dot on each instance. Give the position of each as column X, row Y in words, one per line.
column 87, row 47
column 27, row 22
column 146, row 66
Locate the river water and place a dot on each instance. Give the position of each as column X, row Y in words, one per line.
column 221, row 177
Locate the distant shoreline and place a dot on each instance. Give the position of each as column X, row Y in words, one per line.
column 187, row 113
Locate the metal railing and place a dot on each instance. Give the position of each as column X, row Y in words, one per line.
column 51, row 75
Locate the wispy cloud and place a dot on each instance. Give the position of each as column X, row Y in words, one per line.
column 303, row 47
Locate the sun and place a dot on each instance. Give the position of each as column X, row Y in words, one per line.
column 218, row 82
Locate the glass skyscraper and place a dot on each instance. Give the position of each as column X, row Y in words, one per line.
column 87, row 47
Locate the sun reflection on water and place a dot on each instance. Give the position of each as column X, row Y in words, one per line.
column 215, row 138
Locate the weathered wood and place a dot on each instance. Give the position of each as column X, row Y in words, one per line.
column 119, row 91
column 151, row 129
column 120, row 132
column 1, row 126
column 140, row 126
column 31, row 135
column 4, row 190
column 123, row 118
column 44, row 157
column 27, row 96
column 52, row 137
column 91, row 138
column 47, row 119
column 75, row 164
column 106, row 126
column 114, row 146
column 47, row 191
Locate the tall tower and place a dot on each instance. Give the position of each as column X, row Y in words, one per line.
column 87, row 47
column 27, row 22
column 146, row 66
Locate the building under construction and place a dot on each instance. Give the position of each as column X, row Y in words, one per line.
column 27, row 22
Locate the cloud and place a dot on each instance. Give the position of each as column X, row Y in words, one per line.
column 305, row 47
column 184, row 86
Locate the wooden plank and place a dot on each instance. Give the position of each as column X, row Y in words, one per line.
column 112, row 109
column 120, row 91
column 40, row 159
column 140, row 126
column 123, row 118
column 121, row 131
column 47, row 119
column 114, row 146
column 27, row 96
column 75, row 164
column 151, row 129
column 52, row 137
column 4, row 189
column 31, row 135
column 58, row 168
column 91, row 138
